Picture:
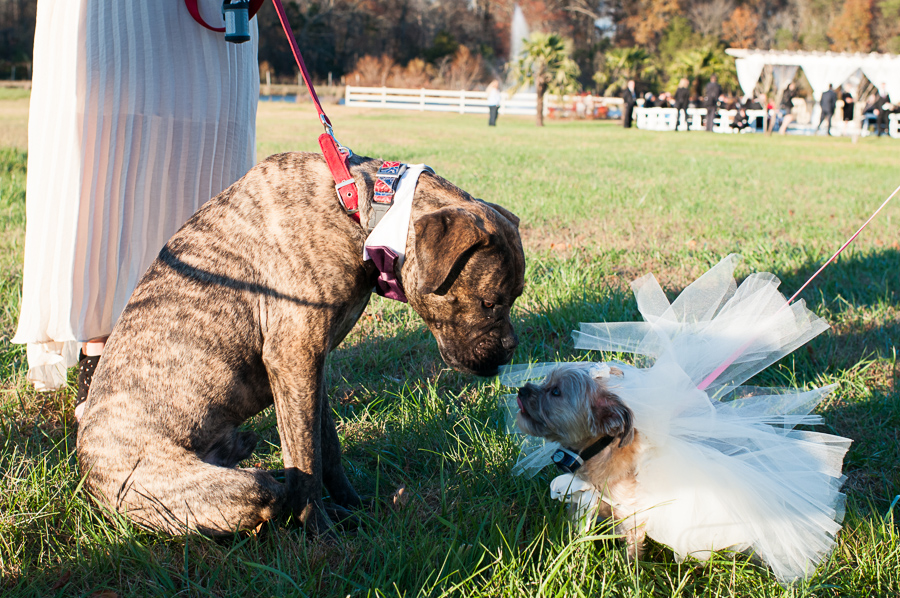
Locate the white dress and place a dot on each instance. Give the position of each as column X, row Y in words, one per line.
column 138, row 116
column 722, row 465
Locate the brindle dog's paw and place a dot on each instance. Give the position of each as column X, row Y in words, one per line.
column 316, row 522
column 342, row 518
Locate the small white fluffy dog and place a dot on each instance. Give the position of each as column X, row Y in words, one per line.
column 575, row 409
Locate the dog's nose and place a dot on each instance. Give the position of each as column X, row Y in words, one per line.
column 509, row 342
column 525, row 392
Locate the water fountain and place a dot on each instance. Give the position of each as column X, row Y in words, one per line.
column 518, row 32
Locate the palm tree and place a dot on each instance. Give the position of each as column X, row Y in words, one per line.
column 622, row 64
column 699, row 64
column 545, row 62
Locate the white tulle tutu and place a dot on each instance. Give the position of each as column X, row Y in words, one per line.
column 722, row 467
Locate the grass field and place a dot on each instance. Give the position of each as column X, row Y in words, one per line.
column 599, row 207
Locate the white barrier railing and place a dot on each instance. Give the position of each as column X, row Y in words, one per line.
column 463, row 102
column 665, row 119
column 869, row 126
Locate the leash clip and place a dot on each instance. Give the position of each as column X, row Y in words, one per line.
column 348, row 153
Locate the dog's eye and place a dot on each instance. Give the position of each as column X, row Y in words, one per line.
column 555, row 391
column 487, row 304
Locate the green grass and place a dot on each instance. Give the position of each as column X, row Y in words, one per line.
column 599, row 206
column 14, row 93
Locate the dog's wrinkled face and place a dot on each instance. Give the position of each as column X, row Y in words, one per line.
column 572, row 408
column 464, row 272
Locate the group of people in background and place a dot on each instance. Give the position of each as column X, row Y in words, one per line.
column 713, row 99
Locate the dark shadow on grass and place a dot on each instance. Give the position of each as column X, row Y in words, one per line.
column 871, row 463
column 859, row 295
column 455, row 460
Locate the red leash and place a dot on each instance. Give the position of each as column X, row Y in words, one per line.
column 336, row 155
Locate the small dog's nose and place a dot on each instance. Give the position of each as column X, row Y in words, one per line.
column 525, row 392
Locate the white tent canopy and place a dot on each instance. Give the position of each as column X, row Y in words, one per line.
column 821, row 68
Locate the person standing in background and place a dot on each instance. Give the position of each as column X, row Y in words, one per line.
column 882, row 108
column 493, row 102
column 138, row 116
column 630, row 98
column 713, row 91
column 846, row 109
column 682, row 99
column 828, row 104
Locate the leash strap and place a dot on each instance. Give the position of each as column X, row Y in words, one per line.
column 335, row 154
column 195, row 12
column 731, row 358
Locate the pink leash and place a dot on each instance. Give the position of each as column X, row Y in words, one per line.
column 718, row 371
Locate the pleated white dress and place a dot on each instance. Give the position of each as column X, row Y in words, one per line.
column 138, row 116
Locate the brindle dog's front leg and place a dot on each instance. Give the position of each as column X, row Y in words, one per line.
column 296, row 376
column 335, row 478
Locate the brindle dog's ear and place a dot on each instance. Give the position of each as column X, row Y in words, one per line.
column 505, row 213
column 443, row 237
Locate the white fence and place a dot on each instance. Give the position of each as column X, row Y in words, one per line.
column 665, row 119
column 893, row 127
column 525, row 103
column 463, row 102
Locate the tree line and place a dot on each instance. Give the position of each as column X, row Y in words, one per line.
column 465, row 43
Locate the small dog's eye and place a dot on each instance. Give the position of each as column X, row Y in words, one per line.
column 555, row 391
column 487, row 304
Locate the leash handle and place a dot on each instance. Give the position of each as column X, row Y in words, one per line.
column 195, row 12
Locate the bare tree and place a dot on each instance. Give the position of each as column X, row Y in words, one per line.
column 707, row 17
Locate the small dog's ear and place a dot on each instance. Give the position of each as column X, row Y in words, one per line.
column 443, row 237
column 611, row 417
column 628, row 431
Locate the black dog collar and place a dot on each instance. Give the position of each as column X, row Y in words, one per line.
column 569, row 461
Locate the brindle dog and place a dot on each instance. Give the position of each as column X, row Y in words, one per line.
column 241, row 309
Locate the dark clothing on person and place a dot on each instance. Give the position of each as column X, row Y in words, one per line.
column 740, row 121
column 848, row 106
column 828, row 103
column 492, row 119
column 682, row 99
column 787, row 103
column 630, row 101
column 713, row 91
column 882, row 104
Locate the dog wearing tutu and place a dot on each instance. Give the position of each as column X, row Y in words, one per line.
column 676, row 447
column 576, row 410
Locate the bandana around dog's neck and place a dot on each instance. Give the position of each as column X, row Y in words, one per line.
column 386, row 244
